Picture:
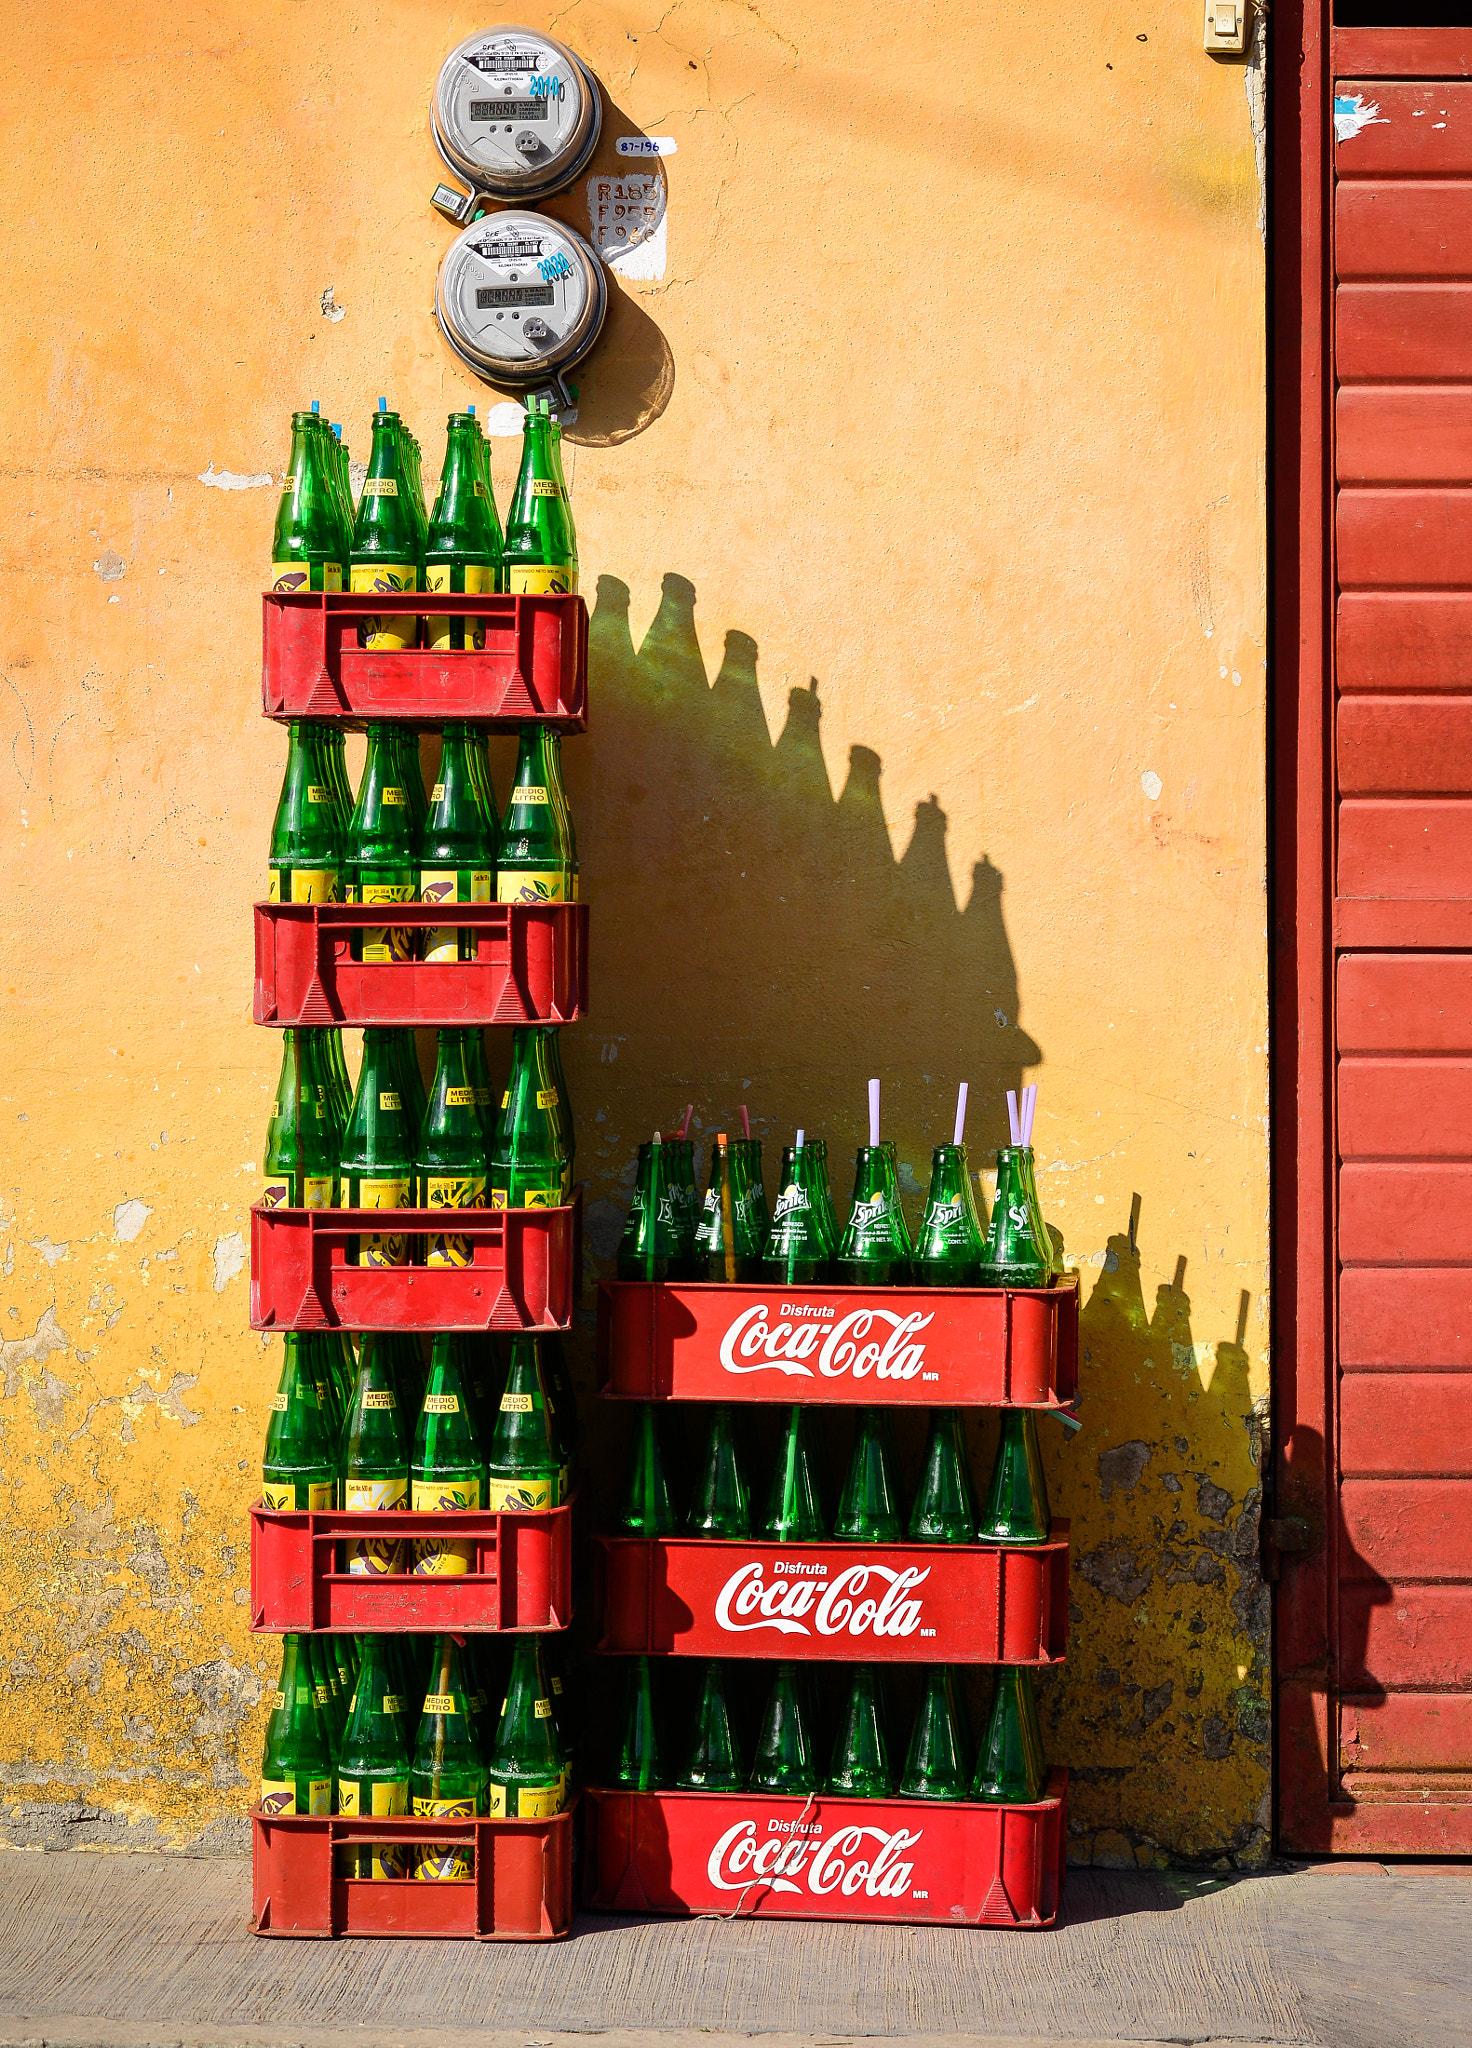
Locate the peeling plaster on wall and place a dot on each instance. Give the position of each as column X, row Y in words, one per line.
column 128, row 1219
column 229, row 1259
column 229, row 480
column 1254, row 84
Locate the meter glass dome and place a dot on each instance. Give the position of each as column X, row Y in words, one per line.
column 520, row 295
column 515, row 113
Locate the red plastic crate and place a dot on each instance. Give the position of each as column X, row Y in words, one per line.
column 530, row 966
column 935, row 1603
column 750, row 1854
column 520, row 1577
column 521, row 1889
column 949, row 1347
column 523, row 1275
column 534, row 664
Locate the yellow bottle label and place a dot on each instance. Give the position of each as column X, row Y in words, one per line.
column 439, row 1703
column 541, row 1198
column 347, row 1798
column 528, row 793
column 379, row 1397
column 547, row 1098
column 496, row 1801
column 273, row 886
column 438, row 1404
column 332, row 575
column 386, row 635
column 318, row 793
column 290, row 576
column 393, row 1703
column 388, row 796
column 278, row 1795
column 556, row 1686
column 460, row 1098
column 318, row 1189
column 445, row 1496
column 277, row 1497
column 388, row 892
column 278, row 1700
column 540, row 1802
column 321, row 1496
column 482, row 882
column 388, row 1098
column 375, row 1496
column 303, row 885
column 517, row 1404
column 542, row 1709
column 533, row 579
column 437, row 794
column 520, row 1496
column 275, row 1193
column 506, row 1100
column 444, row 1557
column 528, row 885
column 383, row 1194
column 280, row 1402
column 443, row 1863
column 387, row 1801
column 545, row 487
column 380, row 487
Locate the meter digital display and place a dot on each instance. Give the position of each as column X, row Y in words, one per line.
column 529, row 141
column 499, row 268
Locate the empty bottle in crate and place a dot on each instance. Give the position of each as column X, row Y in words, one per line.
column 784, row 1760
column 527, row 1774
column 299, row 1469
column 451, row 1168
column 375, row 1458
column 448, row 1473
column 720, row 1505
column 378, row 1149
column 524, row 1470
column 536, row 852
column 646, row 1510
column 945, row 1506
column 1016, row 1506
column 448, row 1778
column 457, row 848
column 374, row 1762
column 936, row 1763
column 1012, row 1768
column 305, row 864
column 300, row 1166
column 462, row 549
column 794, row 1513
column 382, row 860
column 637, row 1765
column 539, row 551
column 386, row 543
column 529, row 1164
column 712, row 1760
column 860, row 1765
column 868, row 1511
column 296, row 1770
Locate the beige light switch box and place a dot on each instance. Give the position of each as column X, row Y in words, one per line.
column 1226, row 27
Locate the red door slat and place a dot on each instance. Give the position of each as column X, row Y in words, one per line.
column 1390, row 331
column 1392, row 1319
column 1405, row 848
column 1398, row 1213
column 1404, row 744
column 1405, row 1635
column 1404, row 433
column 1404, row 640
column 1423, row 130
column 1419, row 537
column 1405, row 1108
column 1431, row 1434
column 1402, row 228
column 1405, row 1529
column 1406, row 1731
column 1400, row 1002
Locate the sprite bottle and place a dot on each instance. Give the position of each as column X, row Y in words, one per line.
column 529, row 1167
column 793, row 1514
column 952, row 1241
column 386, row 552
column 447, row 1780
column 875, row 1249
column 646, row 1509
column 528, row 1778
column 373, row 1763
column 457, row 857
column 462, row 548
column 868, row 1511
column 684, row 1198
column 538, row 549
column 299, row 1469
column 452, row 1149
column 860, row 1763
column 732, row 1233
column 375, row 1458
column 307, row 547
column 650, row 1247
column 784, row 1750
column 1012, row 1769
column 712, row 1761
column 382, row 861
column 721, row 1503
column 800, row 1245
column 305, row 864
column 535, row 859
column 1018, row 1251
column 523, row 1467
column 945, row 1506
column 449, row 1467
column 378, row 1150
column 1016, row 1506
column 300, row 1167
column 296, row 1771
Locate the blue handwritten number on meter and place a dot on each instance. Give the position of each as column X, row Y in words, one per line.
column 545, row 89
column 553, row 267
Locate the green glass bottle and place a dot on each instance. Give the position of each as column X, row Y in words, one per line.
column 447, row 1779
column 646, row 1509
column 382, row 860
column 300, row 1166
column 952, row 1238
column 1012, row 1769
column 409, row 769
column 721, row 1503
column 1041, row 1233
column 557, row 1430
column 1018, row 1250
column 945, row 1506
column 340, row 1087
column 712, row 1761
column 331, row 1711
column 342, row 484
column 296, row 1771
column 649, row 1248
column 479, row 751
column 404, row 1049
column 523, row 1468
column 936, row 1765
column 637, row 1763
column 457, row 859
column 538, row 548
column 823, row 1193
column 448, row 1473
column 462, row 548
column 554, row 442
column 731, row 1234
column 451, row 1169
column 793, row 1514
column 386, row 552
column 559, row 1386
column 528, row 1165
column 784, row 1751
column 564, row 1704
column 480, row 1081
column 305, row 864
column 378, row 1150
column 551, row 1044
column 534, row 862
column 307, row 545
column 875, row 1248
column 299, row 1469
column 375, row 1459
column 800, row 1249
column 1016, row 1506
column 860, row 1763
column 528, row 1779
column 374, row 1762
column 411, row 1376
column 868, row 1511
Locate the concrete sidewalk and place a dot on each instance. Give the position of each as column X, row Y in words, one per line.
column 138, row 1951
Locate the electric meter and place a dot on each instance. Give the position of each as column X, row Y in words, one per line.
column 516, row 115
column 520, row 299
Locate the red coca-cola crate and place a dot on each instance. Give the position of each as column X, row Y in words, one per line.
column 523, row 1274
column 520, row 1577
column 530, row 965
column 748, row 1853
column 534, row 663
column 521, row 1889
column 934, row 1603
column 952, row 1347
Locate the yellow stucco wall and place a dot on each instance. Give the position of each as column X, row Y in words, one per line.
column 921, row 504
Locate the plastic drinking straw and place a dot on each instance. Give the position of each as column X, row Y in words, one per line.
column 873, row 1112
column 961, row 1094
column 745, row 1122
column 1029, row 1107
column 1012, row 1117
column 685, row 1127
column 798, row 1146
